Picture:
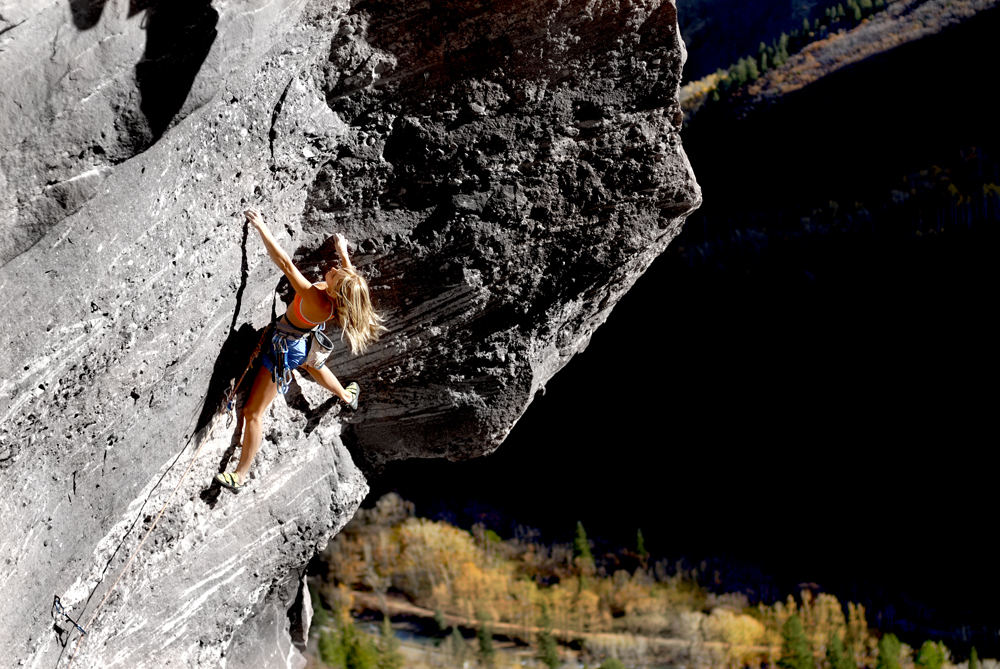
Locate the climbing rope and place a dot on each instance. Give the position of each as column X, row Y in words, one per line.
column 229, row 407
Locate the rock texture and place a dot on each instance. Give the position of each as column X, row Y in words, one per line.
column 507, row 170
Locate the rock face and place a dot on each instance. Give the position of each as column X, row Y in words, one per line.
column 507, row 170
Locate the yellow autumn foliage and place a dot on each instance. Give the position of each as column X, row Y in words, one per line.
column 736, row 629
column 432, row 553
column 471, row 574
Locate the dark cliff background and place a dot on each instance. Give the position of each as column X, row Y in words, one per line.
column 811, row 406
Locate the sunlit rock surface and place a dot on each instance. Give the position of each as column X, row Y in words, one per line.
column 507, row 170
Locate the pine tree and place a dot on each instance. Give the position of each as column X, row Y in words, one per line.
column 805, row 26
column 457, row 647
column 330, row 651
column 837, row 656
column 795, row 651
column 974, row 659
column 640, row 542
column 889, row 649
column 752, row 72
column 726, row 82
column 841, row 14
column 581, row 547
column 782, row 51
column 548, row 650
column 741, row 72
column 389, row 656
column 487, row 653
column 763, row 62
column 359, row 650
column 321, row 617
column 348, row 648
column 930, row 656
column 439, row 620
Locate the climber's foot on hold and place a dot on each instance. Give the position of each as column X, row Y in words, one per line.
column 230, row 480
column 353, row 390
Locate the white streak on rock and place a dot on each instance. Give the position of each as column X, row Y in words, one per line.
column 191, row 608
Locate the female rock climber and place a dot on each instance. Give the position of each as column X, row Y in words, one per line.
column 343, row 299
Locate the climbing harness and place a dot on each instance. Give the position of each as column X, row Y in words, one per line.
column 282, row 373
column 228, row 407
column 319, row 347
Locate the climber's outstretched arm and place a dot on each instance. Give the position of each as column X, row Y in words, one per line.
column 301, row 284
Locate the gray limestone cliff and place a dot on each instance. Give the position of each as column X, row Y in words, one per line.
column 506, row 170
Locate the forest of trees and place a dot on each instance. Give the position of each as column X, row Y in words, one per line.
column 726, row 81
column 561, row 602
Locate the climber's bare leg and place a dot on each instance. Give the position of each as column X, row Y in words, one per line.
column 261, row 395
column 325, row 378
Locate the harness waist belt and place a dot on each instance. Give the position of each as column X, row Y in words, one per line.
column 289, row 330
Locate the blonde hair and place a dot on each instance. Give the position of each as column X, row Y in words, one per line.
column 357, row 319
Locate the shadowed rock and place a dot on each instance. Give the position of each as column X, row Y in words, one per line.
column 86, row 13
column 179, row 35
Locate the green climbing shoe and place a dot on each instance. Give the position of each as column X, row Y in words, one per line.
column 230, row 480
column 353, row 389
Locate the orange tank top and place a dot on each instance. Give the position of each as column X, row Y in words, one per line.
column 297, row 308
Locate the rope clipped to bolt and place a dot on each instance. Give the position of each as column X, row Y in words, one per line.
column 60, row 609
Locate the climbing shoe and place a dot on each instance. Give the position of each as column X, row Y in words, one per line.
column 353, row 389
column 230, row 480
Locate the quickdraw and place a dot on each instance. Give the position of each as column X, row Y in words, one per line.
column 57, row 604
column 282, row 373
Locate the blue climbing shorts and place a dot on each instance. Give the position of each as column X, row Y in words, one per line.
column 296, row 355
